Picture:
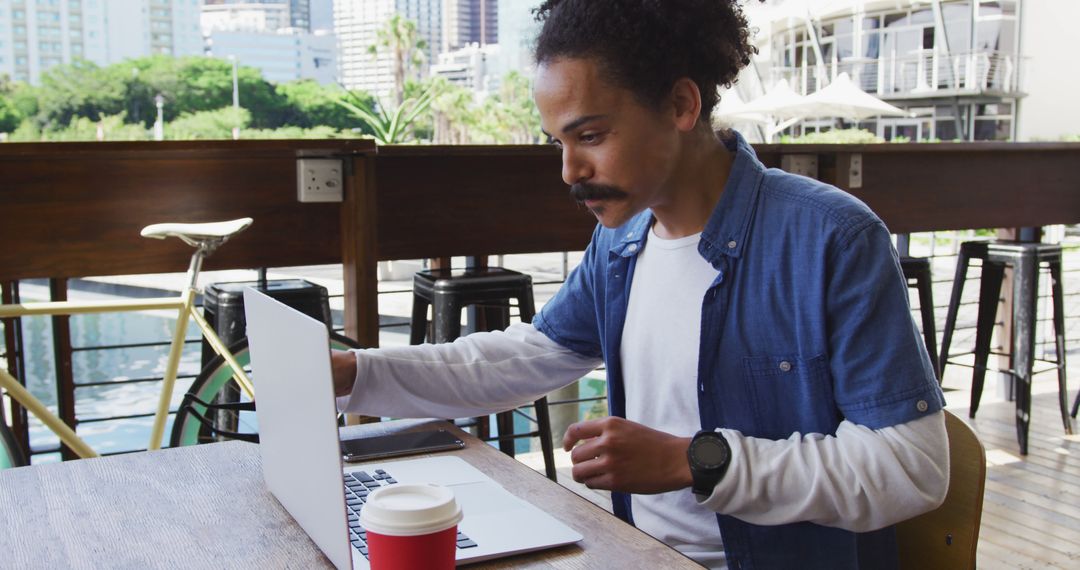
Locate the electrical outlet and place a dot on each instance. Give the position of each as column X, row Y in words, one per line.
column 319, row 180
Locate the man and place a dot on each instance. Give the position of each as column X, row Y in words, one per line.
column 771, row 402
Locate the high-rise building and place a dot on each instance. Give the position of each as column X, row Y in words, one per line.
column 470, row 67
column 517, row 34
column 247, row 17
column 357, row 24
column 299, row 11
column 322, row 15
column 285, row 55
column 467, row 22
column 261, row 35
column 38, row 34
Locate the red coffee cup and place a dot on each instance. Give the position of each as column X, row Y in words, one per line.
column 411, row 527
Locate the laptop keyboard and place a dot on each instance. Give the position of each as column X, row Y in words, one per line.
column 358, row 484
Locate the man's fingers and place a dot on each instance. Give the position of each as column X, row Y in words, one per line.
column 581, row 430
column 587, row 470
column 584, row 452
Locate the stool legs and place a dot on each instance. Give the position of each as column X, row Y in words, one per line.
column 962, row 261
column 925, row 286
column 1059, row 341
column 447, row 319
column 418, row 326
column 1025, row 292
column 1076, row 405
column 547, row 448
column 989, row 293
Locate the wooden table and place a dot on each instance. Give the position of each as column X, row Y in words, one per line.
column 206, row 506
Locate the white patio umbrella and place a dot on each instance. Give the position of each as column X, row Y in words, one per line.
column 777, row 110
column 729, row 111
column 781, row 102
column 842, row 98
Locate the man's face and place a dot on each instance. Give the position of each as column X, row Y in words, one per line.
column 617, row 154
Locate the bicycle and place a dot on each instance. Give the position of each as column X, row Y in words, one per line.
column 205, row 238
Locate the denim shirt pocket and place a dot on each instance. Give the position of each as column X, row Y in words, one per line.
column 791, row 394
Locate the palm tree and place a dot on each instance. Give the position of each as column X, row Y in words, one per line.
column 390, row 125
column 399, row 35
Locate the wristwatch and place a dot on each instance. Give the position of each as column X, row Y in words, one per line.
column 709, row 455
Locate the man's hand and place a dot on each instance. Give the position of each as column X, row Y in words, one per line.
column 619, row 455
column 343, row 365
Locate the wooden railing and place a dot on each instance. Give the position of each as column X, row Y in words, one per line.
column 75, row 209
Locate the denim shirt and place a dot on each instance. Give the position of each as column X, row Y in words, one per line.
column 806, row 325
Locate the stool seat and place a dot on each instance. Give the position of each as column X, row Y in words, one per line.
column 448, row 291
column 1025, row 259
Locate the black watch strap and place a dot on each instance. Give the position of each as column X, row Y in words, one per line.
column 709, row 455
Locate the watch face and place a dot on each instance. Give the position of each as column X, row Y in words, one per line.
column 709, row 453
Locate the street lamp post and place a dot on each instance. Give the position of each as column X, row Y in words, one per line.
column 159, row 124
column 235, row 94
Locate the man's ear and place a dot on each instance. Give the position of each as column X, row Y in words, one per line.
column 685, row 104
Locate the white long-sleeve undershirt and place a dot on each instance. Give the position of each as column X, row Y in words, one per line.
column 858, row 479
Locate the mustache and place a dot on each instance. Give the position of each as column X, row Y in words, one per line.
column 582, row 191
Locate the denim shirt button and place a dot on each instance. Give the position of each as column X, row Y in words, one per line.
column 921, row 405
column 731, row 244
column 785, row 366
column 632, row 247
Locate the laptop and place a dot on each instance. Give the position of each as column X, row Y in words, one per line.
column 301, row 454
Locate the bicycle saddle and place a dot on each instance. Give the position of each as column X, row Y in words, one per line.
column 196, row 234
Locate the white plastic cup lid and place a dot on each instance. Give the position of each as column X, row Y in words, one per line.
column 410, row 510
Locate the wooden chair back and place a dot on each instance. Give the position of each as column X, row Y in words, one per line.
column 947, row 536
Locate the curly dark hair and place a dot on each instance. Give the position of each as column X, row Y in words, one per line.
column 646, row 45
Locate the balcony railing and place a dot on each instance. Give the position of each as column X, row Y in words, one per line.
column 927, row 72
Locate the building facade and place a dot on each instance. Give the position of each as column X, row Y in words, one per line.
column 357, row 24
column 957, row 65
column 284, row 55
column 38, row 34
column 468, row 22
column 298, row 12
column 262, row 35
column 470, row 67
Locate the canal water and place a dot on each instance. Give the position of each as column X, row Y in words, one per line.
column 101, row 374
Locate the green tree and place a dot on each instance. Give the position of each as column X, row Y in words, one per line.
column 78, row 89
column 510, row 116
column 399, row 35
column 10, row 114
column 307, row 104
column 216, row 124
column 106, row 128
column 454, row 113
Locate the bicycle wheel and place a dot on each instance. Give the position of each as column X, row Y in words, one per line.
column 10, row 453
column 214, row 401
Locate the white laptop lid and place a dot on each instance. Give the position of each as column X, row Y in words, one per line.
column 301, row 455
column 298, row 434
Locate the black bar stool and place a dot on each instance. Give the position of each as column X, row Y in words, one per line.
column 448, row 291
column 1025, row 259
column 918, row 269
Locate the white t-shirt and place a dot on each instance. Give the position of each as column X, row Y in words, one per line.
column 664, row 314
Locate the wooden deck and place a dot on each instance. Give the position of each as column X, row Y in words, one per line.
column 1031, row 510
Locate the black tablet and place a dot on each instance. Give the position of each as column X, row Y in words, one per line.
column 398, row 444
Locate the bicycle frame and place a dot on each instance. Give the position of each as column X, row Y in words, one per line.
column 185, row 307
